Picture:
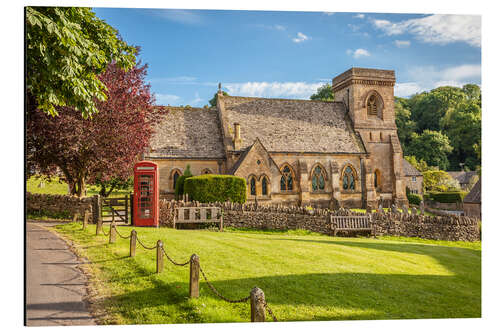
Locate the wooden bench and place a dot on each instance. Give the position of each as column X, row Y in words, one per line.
column 198, row 215
column 352, row 223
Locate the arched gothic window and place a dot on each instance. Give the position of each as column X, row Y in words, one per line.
column 372, row 106
column 175, row 176
column 318, row 179
column 264, row 184
column 286, row 179
column 253, row 188
column 348, row 180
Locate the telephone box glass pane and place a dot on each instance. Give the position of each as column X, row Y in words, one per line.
column 145, row 196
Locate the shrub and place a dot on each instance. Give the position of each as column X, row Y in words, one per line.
column 448, row 197
column 414, row 199
column 179, row 185
column 212, row 188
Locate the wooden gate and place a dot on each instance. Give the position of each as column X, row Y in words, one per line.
column 117, row 208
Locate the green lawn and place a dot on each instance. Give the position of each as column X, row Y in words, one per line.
column 305, row 276
column 57, row 186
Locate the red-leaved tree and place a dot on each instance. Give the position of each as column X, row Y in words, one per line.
column 98, row 149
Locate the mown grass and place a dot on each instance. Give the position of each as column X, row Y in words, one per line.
column 304, row 276
column 58, row 186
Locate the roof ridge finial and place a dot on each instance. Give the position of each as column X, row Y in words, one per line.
column 220, row 88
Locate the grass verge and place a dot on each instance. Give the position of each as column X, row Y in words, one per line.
column 304, row 276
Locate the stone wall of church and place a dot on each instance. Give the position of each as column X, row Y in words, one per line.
column 167, row 167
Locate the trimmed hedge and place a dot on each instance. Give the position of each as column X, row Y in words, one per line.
column 216, row 188
column 447, row 197
column 179, row 186
column 414, row 199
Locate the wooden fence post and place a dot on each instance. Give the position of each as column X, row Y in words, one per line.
column 98, row 228
column 159, row 256
column 112, row 233
column 75, row 217
column 194, row 277
column 133, row 239
column 257, row 301
column 85, row 219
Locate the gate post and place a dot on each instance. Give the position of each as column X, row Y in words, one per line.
column 75, row 217
column 112, row 233
column 194, row 277
column 159, row 256
column 85, row 219
column 257, row 301
column 133, row 239
column 98, row 228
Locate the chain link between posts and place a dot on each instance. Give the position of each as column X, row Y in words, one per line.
column 104, row 232
column 270, row 311
column 121, row 236
column 172, row 261
column 242, row 300
column 144, row 246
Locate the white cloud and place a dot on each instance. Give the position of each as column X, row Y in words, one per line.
column 166, row 99
column 437, row 29
column 300, row 38
column 358, row 53
column 354, row 27
column 360, row 16
column 402, row 43
column 301, row 90
column 196, row 101
column 429, row 77
column 279, row 27
column 181, row 16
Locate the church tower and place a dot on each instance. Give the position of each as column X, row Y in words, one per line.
column 368, row 95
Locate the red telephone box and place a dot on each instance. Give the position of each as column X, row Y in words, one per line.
column 146, row 194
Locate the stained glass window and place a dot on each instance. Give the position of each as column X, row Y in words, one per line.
column 348, row 179
column 286, row 179
column 176, row 176
column 318, row 179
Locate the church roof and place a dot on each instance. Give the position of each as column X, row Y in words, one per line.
column 409, row 169
column 288, row 125
column 188, row 133
column 474, row 196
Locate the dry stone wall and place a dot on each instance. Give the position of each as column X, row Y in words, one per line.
column 278, row 217
column 61, row 205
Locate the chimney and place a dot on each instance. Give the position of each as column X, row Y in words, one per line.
column 237, row 137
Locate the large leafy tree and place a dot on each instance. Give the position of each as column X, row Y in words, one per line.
column 213, row 101
column 67, row 48
column 432, row 147
column 405, row 125
column 100, row 149
column 323, row 93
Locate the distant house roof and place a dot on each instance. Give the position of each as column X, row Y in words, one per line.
column 463, row 177
column 474, row 196
column 288, row 125
column 409, row 169
column 188, row 133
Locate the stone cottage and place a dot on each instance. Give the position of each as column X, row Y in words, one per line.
column 472, row 201
column 414, row 180
column 329, row 154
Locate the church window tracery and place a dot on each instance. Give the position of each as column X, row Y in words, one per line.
column 318, row 179
column 286, row 183
column 348, row 178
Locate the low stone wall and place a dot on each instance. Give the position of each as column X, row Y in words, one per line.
column 293, row 217
column 63, row 205
column 444, row 205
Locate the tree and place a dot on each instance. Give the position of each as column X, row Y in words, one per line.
column 106, row 187
column 432, row 147
column 67, row 48
column 405, row 125
column 420, row 165
column 428, row 108
column 99, row 149
column 439, row 180
column 324, row 93
column 213, row 101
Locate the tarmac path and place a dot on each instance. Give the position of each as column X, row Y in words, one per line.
column 55, row 287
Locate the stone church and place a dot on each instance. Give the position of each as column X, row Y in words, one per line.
column 344, row 153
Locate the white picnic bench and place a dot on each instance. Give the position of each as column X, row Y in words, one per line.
column 198, row 215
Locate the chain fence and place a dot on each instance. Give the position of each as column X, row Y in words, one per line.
column 210, row 285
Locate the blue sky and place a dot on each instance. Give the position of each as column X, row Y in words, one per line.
column 291, row 54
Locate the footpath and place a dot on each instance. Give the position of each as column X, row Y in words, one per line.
column 55, row 287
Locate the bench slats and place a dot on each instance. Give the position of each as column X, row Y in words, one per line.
column 350, row 223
